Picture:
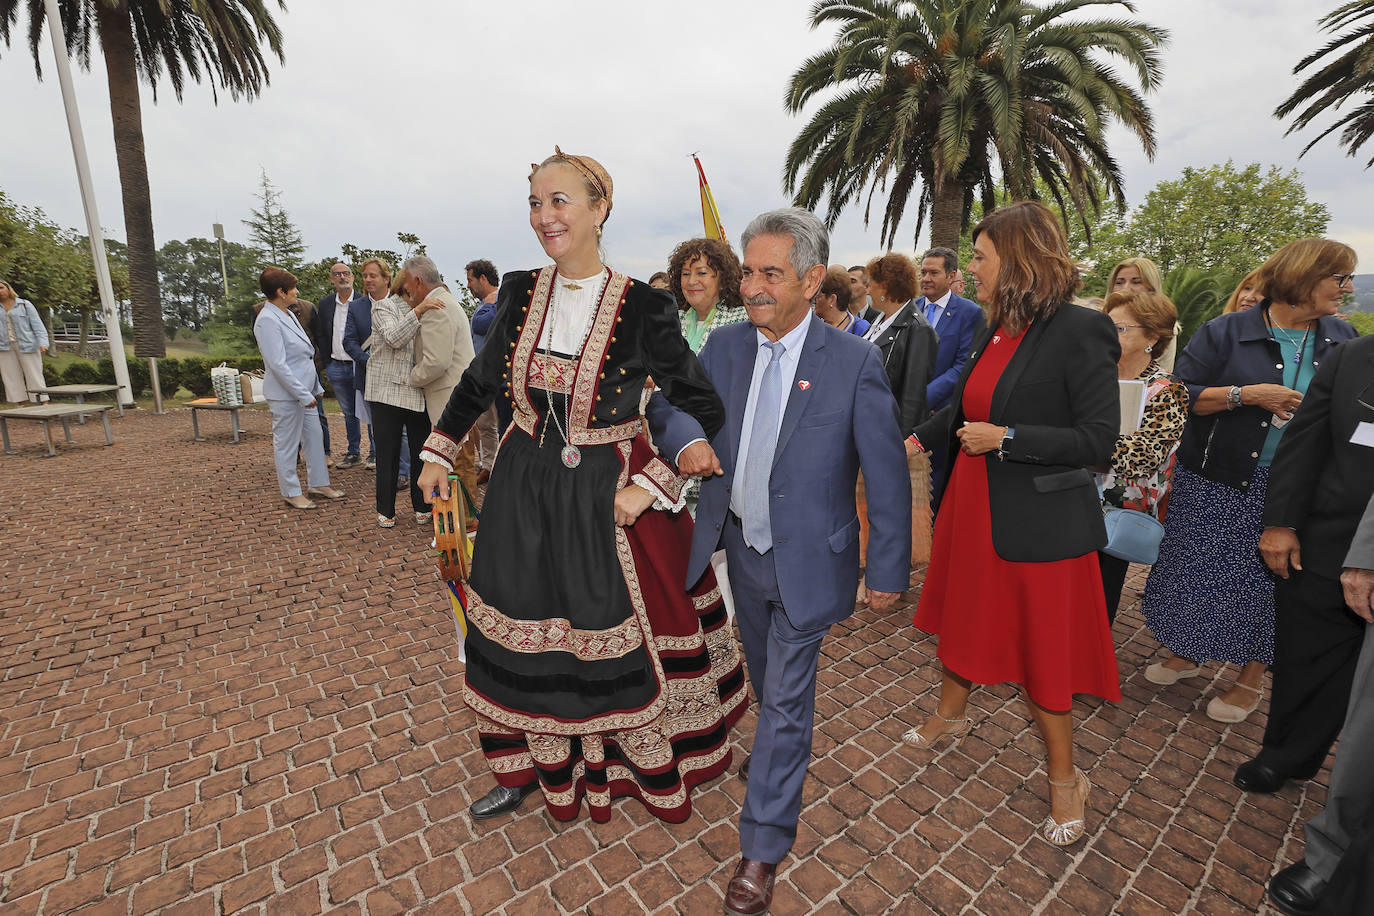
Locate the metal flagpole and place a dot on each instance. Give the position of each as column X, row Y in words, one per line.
column 83, row 177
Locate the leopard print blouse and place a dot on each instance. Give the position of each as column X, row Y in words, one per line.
column 1143, row 462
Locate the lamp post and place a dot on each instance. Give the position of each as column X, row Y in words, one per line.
column 223, row 273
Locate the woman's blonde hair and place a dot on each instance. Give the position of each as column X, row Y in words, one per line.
column 1233, row 304
column 1292, row 273
column 398, row 283
column 1153, row 310
column 1149, row 274
column 1037, row 275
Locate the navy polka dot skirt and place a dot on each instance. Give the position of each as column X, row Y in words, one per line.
column 1210, row 595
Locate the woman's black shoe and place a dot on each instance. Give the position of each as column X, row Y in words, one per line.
column 1253, row 776
column 1296, row 890
column 499, row 801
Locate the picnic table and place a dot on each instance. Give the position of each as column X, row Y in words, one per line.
column 213, row 404
column 45, row 414
column 80, row 392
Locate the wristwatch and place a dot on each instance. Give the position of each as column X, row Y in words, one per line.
column 1002, row 446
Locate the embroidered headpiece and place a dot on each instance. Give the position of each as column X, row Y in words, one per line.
column 593, row 171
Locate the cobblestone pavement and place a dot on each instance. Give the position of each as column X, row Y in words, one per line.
column 212, row 704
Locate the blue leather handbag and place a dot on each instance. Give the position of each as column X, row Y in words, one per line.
column 1132, row 535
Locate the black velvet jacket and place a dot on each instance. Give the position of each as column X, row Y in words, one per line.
column 635, row 334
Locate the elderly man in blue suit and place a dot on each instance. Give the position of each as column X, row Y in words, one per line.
column 807, row 406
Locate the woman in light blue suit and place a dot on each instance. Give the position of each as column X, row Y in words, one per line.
column 292, row 388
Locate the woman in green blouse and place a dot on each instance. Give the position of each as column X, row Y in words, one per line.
column 704, row 276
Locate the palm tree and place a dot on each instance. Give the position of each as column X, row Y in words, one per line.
column 950, row 95
column 145, row 37
column 1350, row 75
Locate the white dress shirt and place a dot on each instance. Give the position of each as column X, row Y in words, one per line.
column 340, row 321
column 940, row 305
column 881, row 326
column 792, row 343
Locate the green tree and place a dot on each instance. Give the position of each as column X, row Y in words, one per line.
column 950, row 95
column 150, row 38
column 1218, row 217
column 1199, row 295
column 51, row 266
column 192, row 281
column 271, row 231
column 1347, row 74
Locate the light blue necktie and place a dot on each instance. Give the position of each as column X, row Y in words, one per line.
column 931, row 308
column 758, row 464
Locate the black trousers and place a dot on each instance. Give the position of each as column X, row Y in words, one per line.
column 1113, row 571
column 387, row 423
column 1317, row 642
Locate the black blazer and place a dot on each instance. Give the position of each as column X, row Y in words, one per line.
column 909, row 347
column 1059, row 393
column 1320, row 482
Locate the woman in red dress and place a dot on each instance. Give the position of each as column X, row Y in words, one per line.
column 1013, row 588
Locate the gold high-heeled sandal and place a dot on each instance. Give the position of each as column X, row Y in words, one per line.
column 1069, row 832
column 958, row 729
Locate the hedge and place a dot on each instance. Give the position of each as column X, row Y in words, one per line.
column 193, row 373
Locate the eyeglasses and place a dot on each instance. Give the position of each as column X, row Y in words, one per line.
column 341, row 273
column 1123, row 328
column 1343, row 279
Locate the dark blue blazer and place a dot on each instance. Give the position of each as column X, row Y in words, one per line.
column 961, row 321
column 844, row 420
column 322, row 327
column 1238, row 349
column 357, row 329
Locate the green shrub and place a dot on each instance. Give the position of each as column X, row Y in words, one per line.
column 104, row 368
column 195, row 375
column 138, row 376
column 82, row 373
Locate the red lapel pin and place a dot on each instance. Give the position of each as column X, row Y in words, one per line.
column 803, row 384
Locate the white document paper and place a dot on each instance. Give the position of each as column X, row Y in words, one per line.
column 1132, row 404
column 1363, row 435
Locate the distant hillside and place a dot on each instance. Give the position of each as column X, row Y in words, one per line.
column 1364, row 292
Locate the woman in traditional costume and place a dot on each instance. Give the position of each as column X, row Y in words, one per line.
column 591, row 672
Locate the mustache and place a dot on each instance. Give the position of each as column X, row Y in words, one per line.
column 760, row 299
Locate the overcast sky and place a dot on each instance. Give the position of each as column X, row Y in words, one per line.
column 424, row 115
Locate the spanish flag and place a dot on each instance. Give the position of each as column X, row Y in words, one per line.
column 710, row 216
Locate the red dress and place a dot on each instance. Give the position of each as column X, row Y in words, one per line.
column 1042, row 625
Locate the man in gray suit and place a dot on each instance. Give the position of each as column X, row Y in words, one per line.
column 1302, row 888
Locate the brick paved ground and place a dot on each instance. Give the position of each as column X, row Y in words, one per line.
column 211, row 704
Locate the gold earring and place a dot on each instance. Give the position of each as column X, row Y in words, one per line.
column 598, row 232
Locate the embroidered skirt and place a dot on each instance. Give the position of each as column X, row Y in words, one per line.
column 590, row 667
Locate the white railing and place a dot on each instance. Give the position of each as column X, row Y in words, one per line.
column 70, row 332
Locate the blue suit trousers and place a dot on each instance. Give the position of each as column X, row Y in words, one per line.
column 782, row 670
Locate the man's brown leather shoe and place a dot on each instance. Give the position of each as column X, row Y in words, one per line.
column 750, row 891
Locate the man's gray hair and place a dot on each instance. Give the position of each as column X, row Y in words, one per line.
column 810, row 239
column 422, row 269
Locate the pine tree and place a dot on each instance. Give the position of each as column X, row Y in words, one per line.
column 271, row 232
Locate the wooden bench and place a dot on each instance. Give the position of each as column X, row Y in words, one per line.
column 79, row 392
column 213, row 404
column 45, row 414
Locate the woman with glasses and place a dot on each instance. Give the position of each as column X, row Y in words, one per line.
column 1209, row 596
column 1142, row 461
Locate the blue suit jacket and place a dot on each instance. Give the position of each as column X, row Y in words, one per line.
column 961, row 321
column 357, row 329
column 844, row 420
